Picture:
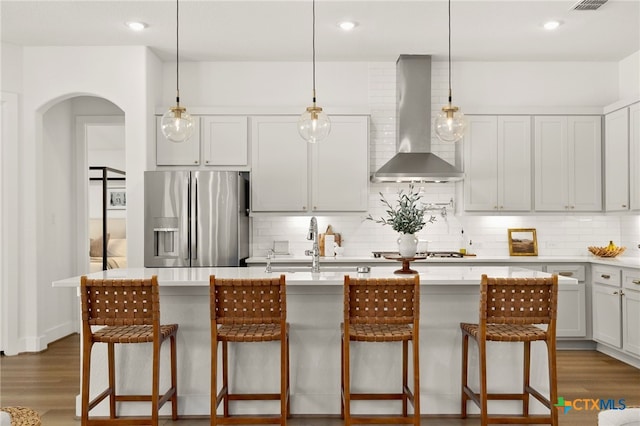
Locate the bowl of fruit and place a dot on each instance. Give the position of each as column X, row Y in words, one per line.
column 610, row 250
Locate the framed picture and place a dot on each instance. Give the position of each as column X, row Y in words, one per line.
column 116, row 198
column 523, row 242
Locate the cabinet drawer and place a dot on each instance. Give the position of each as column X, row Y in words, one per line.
column 631, row 280
column 571, row 271
column 606, row 275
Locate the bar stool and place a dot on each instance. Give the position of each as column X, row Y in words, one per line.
column 382, row 310
column 130, row 310
column 248, row 310
column 510, row 309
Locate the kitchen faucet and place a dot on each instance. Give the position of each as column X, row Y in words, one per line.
column 315, row 251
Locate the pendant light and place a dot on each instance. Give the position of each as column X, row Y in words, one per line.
column 314, row 124
column 177, row 124
column 450, row 123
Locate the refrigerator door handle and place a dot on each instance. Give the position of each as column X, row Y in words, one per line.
column 187, row 225
column 194, row 224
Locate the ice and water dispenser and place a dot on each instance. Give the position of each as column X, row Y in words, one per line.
column 165, row 237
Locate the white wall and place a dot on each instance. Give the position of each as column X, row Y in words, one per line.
column 51, row 75
column 11, row 66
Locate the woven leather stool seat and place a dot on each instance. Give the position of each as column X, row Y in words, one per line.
column 513, row 310
column 246, row 311
column 379, row 332
column 128, row 311
column 249, row 332
column 382, row 310
column 132, row 333
column 507, row 332
column 22, row 416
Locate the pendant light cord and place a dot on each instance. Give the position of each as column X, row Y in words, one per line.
column 177, row 54
column 313, row 49
column 449, row 13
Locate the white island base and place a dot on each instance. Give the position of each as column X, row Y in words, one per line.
column 449, row 295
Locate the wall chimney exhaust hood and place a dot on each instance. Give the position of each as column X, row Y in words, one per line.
column 414, row 161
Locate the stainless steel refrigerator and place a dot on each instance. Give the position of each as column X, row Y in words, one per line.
column 196, row 218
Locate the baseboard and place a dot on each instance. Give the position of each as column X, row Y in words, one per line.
column 619, row 355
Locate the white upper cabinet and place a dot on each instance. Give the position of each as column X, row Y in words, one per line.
column 340, row 166
column 178, row 154
column 497, row 153
column 291, row 175
column 634, row 155
column 278, row 165
column 224, row 140
column 568, row 163
column 616, row 160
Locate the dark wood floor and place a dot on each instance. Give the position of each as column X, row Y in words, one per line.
column 49, row 381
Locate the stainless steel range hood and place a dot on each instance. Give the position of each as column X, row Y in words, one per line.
column 414, row 161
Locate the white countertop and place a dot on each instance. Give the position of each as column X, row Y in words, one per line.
column 621, row 261
column 333, row 276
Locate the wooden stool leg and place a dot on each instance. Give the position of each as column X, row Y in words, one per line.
column 347, row 383
column 526, row 381
column 112, row 380
column 416, row 382
column 482, row 355
column 288, row 381
column 464, row 377
column 342, row 378
column 155, row 387
column 174, row 379
column 225, row 377
column 283, row 381
column 553, row 380
column 86, row 375
column 214, row 379
column 405, row 374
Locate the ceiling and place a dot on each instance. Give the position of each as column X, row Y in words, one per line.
column 266, row 30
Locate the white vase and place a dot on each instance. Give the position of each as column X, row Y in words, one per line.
column 407, row 245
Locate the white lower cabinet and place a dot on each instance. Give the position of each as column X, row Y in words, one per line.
column 607, row 306
column 631, row 311
column 572, row 318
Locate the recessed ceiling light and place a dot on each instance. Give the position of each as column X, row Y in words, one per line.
column 551, row 25
column 136, row 26
column 347, row 25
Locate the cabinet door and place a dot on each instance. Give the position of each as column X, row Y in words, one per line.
column 224, row 140
column 514, row 163
column 634, row 156
column 571, row 310
column 551, row 171
column 606, row 315
column 178, row 154
column 340, row 166
column 278, row 165
column 616, row 160
column 631, row 321
column 481, row 164
column 585, row 163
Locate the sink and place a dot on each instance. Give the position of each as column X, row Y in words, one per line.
column 294, row 269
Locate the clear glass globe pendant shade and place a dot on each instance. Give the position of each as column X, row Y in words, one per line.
column 314, row 125
column 177, row 124
column 450, row 124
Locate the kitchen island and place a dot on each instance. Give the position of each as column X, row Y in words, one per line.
column 449, row 295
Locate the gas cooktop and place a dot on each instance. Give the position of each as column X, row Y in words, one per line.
column 378, row 254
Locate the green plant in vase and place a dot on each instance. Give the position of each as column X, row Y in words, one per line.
column 406, row 217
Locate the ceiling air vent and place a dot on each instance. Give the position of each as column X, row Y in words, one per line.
column 588, row 5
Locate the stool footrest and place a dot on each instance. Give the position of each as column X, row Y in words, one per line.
column 249, row 420
column 253, row 396
column 119, row 421
column 376, row 396
column 529, row 420
column 356, row 419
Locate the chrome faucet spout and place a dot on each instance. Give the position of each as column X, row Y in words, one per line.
column 315, row 251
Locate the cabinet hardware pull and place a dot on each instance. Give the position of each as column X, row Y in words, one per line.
column 636, row 282
column 615, row 292
column 624, row 205
column 605, row 276
column 566, row 274
column 622, row 293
